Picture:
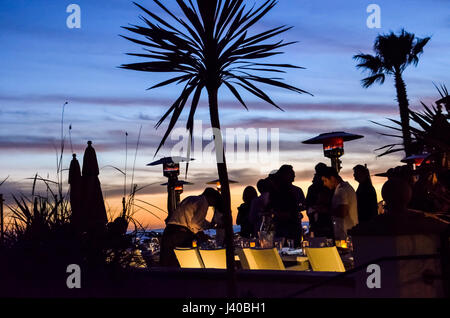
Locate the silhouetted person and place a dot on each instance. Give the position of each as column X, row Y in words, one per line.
column 187, row 223
column 365, row 194
column 260, row 205
column 404, row 172
column 287, row 202
column 318, row 205
column 431, row 191
column 116, row 234
column 397, row 194
column 344, row 209
column 243, row 217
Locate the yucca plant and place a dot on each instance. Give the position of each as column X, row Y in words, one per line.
column 35, row 216
column 210, row 46
column 393, row 54
column 430, row 133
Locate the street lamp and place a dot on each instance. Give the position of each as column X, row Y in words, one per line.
column 333, row 145
column 171, row 170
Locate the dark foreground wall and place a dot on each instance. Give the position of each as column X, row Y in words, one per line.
column 180, row 283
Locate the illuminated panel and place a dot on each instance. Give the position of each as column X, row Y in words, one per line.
column 333, row 147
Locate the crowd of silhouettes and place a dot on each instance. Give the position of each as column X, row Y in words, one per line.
column 331, row 204
column 278, row 206
column 428, row 184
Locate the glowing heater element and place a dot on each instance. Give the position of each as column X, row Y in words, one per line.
column 417, row 160
column 171, row 169
column 333, row 147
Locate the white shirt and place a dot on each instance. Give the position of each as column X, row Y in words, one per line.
column 191, row 214
column 344, row 194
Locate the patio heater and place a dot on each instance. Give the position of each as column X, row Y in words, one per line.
column 333, row 145
column 171, row 170
column 217, row 183
column 416, row 160
column 178, row 189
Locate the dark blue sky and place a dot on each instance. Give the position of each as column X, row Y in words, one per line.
column 43, row 63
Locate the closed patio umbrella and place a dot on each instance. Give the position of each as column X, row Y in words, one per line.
column 94, row 212
column 75, row 194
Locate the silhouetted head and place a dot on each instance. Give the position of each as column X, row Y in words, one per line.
column 213, row 196
column 404, row 172
column 264, row 185
column 320, row 168
column 286, row 174
column 118, row 227
column 396, row 193
column 249, row 194
column 121, row 224
column 361, row 174
column 331, row 178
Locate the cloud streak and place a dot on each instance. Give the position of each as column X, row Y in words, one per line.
column 152, row 102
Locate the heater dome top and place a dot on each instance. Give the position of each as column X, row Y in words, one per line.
column 325, row 136
column 167, row 160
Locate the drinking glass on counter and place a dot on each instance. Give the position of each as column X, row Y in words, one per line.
column 266, row 239
column 290, row 243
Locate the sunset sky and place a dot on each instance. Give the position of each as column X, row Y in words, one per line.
column 43, row 63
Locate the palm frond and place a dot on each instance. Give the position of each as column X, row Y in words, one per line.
column 383, row 125
column 4, row 180
column 417, row 49
column 369, row 81
column 179, row 105
column 373, row 64
column 209, row 42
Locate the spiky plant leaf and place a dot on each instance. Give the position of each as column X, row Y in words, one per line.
column 209, row 44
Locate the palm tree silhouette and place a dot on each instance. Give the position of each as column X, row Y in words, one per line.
column 393, row 53
column 207, row 47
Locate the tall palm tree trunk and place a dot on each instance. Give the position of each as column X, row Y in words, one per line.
column 403, row 104
column 225, row 190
